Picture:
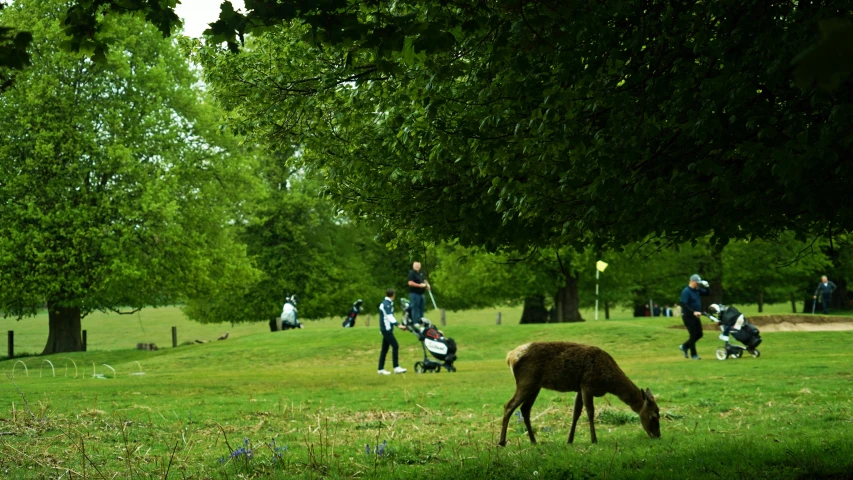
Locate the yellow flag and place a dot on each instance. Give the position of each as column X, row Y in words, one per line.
column 600, row 266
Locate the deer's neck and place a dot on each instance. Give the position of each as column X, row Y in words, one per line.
column 631, row 395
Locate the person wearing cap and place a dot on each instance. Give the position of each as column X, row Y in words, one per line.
column 691, row 310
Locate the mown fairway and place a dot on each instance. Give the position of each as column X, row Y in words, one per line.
column 785, row 415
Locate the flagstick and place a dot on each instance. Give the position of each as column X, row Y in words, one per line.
column 596, row 293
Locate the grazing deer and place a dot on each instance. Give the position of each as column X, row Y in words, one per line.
column 571, row 367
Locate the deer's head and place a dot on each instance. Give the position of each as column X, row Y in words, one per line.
column 650, row 415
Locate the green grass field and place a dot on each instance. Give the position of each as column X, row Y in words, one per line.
column 785, row 415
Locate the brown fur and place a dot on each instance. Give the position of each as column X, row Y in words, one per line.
column 572, row 367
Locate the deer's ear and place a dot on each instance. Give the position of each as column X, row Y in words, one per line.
column 648, row 394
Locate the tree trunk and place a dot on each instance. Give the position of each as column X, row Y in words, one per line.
column 793, row 303
column 715, row 278
column 534, row 310
column 716, row 295
column 64, row 330
column 839, row 296
column 760, row 302
column 567, row 301
column 606, row 310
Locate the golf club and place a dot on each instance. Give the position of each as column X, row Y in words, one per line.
column 431, row 297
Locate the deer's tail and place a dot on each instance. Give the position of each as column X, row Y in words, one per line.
column 515, row 355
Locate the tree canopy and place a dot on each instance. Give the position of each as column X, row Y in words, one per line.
column 580, row 124
column 545, row 123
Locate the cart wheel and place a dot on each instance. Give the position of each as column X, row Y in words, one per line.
column 721, row 354
column 419, row 367
column 755, row 354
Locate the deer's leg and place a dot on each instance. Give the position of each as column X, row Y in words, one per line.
column 525, row 411
column 510, row 407
column 590, row 412
column 576, row 416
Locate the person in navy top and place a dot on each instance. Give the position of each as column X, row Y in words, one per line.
column 825, row 289
column 386, row 326
column 691, row 311
column 417, row 286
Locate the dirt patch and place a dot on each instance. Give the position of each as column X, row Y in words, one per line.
column 807, row 327
column 793, row 318
column 790, row 323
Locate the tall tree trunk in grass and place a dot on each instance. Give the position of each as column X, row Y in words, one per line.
column 534, row 310
column 793, row 304
column 839, row 297
column 64, row 329
column 714, row 272
column 606, row 310
column 761, row 301
column 566, row 301
column 716, row 295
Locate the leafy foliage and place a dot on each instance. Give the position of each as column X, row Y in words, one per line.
column 116, row 186
column 772, row 271
column 302, row 245
column 829, row 61
column 760, row 271
column 13, row 52
column 587, row 124
column 545, row 123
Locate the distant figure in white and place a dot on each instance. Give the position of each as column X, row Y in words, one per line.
column 387, row 322
column 288, row 314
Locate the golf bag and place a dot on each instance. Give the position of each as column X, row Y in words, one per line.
column 432, row 340
column 733, row 323
column 288, row 314
column 349, row 321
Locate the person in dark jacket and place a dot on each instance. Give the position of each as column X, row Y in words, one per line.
column 386, row 326
column 691, row 311
column 417, row 286
column 825, row 289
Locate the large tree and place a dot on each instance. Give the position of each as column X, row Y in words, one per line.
column 384, row 27
column 586, row 123
column 546, row 123
column 116, row 187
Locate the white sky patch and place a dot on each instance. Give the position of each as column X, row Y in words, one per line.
column 197, row 14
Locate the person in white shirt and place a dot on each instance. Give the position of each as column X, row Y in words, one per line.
column 386, row 326
column 288, row 313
